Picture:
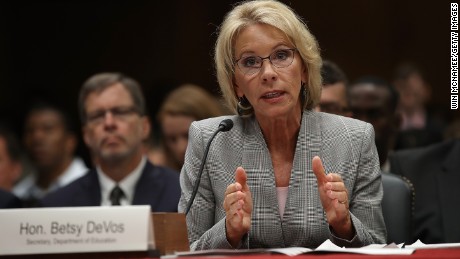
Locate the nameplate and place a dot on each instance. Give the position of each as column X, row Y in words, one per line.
column 74, row 229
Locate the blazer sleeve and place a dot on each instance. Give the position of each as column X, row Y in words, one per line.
column 205, row 231
column 366, row 197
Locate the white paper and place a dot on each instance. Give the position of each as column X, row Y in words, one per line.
column 420, row 245
column 326, row 247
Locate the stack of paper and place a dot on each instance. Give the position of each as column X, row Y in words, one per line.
column 326, row 247
column 419, row 245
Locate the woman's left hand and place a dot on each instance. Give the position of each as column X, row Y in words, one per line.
column 334, row 198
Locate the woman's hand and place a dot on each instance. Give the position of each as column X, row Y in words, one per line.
column 238, row 208
column 334, row 198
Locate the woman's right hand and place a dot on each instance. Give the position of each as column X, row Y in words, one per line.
column 238, row 208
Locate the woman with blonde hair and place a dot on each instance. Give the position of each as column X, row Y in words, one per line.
column 284, row 175
column 181, row 107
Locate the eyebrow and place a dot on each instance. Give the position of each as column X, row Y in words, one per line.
column 273, row 49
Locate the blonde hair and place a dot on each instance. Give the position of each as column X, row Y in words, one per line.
column 190, row 100
column 187, row 100
column 281, row 17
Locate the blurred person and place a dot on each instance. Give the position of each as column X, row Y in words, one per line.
column 9, row 200
column 418, row 126
column 181, row 107
column 375, row 101
column 452, row 130
column 334, row 93
column 10, row 159
column 115, row 126
column 50, row 142
column 265, row 181
column 435, row 172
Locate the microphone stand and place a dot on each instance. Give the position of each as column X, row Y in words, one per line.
column 224, row 125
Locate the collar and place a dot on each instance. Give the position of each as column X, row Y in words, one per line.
column 127, row 184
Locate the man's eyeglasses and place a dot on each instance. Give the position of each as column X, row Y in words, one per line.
column 280, row 58
column 119, row 113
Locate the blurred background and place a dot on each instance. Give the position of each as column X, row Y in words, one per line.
column 49, row 48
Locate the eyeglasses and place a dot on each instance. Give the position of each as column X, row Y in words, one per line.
column 280, row 58
column 121, row 113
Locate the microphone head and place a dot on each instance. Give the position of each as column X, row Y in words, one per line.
column 226, row 125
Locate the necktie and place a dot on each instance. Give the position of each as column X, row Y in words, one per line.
column 115, row 195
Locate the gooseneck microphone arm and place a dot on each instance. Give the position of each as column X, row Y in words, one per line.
column 224, row 125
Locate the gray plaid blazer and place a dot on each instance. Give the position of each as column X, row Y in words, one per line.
column 345, row 145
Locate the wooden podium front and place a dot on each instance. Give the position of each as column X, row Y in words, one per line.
column 170, row 233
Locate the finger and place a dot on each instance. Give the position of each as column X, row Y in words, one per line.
column 235, row 212
column 339, row 204
column 339, row 195
column 333, row 177
column 241, row 177
column 233, row 198
column 335, row 186
column 234, row 187
column 318, row 170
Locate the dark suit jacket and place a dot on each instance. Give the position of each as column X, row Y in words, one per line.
column 9, row 200
column 435, row 174
column 158, row 187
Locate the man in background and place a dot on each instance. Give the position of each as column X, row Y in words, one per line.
column 50, row 142
column 10, row 159
column 10, row 167
column 419, row 126
column 435, row 172
column 374, row 100
column 115, row 126
column 334, row 92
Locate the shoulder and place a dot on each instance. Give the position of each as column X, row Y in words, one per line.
column 210, row 125
column 160, row 172
column 203, row 130
column 87, row 182
column 334, row 125
column 159, row 180
column 432, row 152
column 8, row 200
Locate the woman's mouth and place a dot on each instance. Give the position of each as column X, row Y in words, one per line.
column 272, row 95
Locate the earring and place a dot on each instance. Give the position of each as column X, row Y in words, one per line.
column 243, row 107
column 303, row 93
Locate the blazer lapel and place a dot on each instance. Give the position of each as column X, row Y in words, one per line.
column 257, row 162
column 299, row 200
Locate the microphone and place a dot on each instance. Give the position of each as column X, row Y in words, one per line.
column 224, row 126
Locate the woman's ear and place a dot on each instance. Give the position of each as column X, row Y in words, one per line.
column 237, row 89
column 304, row 73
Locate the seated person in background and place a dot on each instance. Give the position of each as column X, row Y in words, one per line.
column 50, row 142
column 10, row 167
column 10, row 159
column 182, row 106
column 452, row 130
column 418, row 127
column 435, row 172
column 112, row 110
column 334, row 93
column 284, row 175
column 9, row 200
column 374, row 100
